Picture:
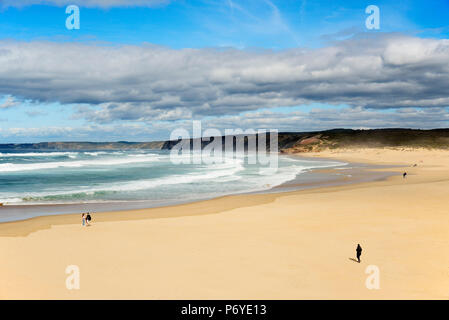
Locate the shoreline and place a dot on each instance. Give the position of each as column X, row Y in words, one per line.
column 290, row 245
column 324, row 177
column 25, row 210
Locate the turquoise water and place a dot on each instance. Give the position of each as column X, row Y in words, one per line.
column 103, row 176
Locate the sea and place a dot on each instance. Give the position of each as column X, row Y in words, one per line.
column 152, row 177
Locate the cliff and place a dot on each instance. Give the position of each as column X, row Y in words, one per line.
column 288, row 142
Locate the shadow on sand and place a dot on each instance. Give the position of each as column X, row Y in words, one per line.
column 355, row 260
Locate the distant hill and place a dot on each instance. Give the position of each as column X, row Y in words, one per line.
column 290, row 142
column 121, row 145
column 346, row 138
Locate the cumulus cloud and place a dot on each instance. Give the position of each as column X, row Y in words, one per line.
column 149, row 82
column 106, row 113
column 84, row 3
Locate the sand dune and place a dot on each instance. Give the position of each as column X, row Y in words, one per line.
column 295, row 245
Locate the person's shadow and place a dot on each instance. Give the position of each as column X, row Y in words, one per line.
column 355, row 260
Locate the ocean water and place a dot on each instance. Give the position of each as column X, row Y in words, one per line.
column 34, row 177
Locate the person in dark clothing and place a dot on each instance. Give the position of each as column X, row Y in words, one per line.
column 404, row 174
column 359, row 252
column 88, row 218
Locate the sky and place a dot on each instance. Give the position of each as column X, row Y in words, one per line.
column 138, row 69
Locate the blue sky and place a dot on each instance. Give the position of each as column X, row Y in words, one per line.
column 203, row 23
column 245, row 26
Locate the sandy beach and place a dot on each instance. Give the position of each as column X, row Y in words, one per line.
column 293, row 245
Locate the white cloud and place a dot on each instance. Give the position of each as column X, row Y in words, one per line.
column 155, row 83
column 8, row 103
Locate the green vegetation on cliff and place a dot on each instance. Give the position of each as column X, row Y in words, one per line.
column 287, row 141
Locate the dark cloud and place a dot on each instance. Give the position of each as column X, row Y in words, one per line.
column 155, row 83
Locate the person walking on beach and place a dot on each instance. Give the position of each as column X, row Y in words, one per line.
column 359, row 252
column 88, row 218
column 84, row 219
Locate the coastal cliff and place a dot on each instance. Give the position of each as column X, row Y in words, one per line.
column 288, row 142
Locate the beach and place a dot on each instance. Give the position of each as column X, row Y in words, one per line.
column 291, row 245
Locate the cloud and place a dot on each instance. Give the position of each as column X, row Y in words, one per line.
column 325, row 118
column 35, row 113
column 106, row 113
column 354, row 118
column 317, row 119
column 85, row 3
column 150, row 82
column 8, row 103
column 131, row 132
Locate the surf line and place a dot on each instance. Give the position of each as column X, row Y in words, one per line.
column 192, row 310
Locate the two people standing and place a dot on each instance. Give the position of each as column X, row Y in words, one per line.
column 86, row 219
